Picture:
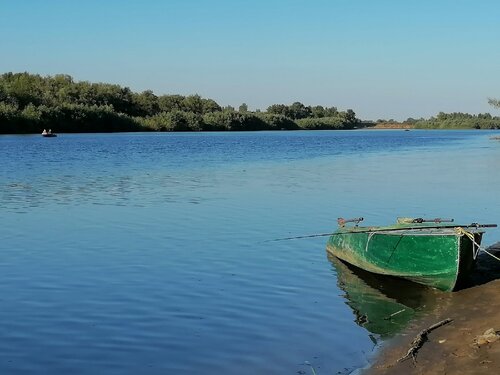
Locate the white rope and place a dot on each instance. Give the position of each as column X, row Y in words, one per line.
column 461, row 231
column 370, row 235
column 490, row 254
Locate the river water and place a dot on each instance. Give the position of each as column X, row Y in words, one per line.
column 149, row 253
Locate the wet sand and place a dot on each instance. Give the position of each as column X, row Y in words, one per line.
column 453, row 348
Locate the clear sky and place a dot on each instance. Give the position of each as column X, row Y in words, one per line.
column 382, row 58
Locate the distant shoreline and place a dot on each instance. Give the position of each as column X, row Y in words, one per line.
column 392, row 125
column 30, row 103
column 371, row 128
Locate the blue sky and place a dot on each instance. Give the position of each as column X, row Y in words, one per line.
column 384, row 59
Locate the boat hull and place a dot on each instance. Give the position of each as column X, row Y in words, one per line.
column 440, row 258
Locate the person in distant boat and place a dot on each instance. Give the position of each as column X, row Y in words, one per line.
column 50, row 131
column 44, row 131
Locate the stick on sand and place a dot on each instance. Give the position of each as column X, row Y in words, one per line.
column 420, row 339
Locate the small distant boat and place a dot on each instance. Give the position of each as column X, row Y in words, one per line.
column 49, row 133
column 432, row 252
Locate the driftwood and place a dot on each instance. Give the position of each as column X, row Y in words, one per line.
column 394, row 314
column 417, row 343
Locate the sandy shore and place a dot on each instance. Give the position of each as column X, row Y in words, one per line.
column 390, row 125
column 453, row 348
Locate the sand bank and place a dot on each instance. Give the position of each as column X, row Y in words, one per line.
column 454, row 348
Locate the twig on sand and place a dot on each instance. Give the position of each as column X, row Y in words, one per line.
column 394, row 314
column 417, row 343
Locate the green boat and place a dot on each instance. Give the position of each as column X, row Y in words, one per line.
column 432, row 252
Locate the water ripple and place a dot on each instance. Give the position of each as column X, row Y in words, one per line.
column 148, row 253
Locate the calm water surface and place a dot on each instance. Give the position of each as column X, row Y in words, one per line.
column 148, row 253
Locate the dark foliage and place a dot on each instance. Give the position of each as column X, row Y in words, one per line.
column 30, row 103
column 459, row 120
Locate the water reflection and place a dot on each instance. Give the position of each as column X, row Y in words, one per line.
column 382, row 305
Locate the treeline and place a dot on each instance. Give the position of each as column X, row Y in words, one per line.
column 455, row 120
column 30, row 103
column 458, row 120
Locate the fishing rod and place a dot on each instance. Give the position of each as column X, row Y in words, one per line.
column 300, row 237
column 419, row 220
column 374, row 229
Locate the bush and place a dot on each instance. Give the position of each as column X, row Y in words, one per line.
column 173, row 121
column 278, row 122
column 231, row 120
column 322, row 123
column 458, row 120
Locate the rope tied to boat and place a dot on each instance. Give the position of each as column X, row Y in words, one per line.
column 475, row 246
column 370, row 235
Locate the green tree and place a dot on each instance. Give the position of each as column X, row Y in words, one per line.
column 278, row 109
column 298, row 110
column 209, row 105
column 318, row 111
column 146, row 103
column 494, row 102
column 193, row 103
column 169, row 103
column 350, row 117
column 331, row 112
